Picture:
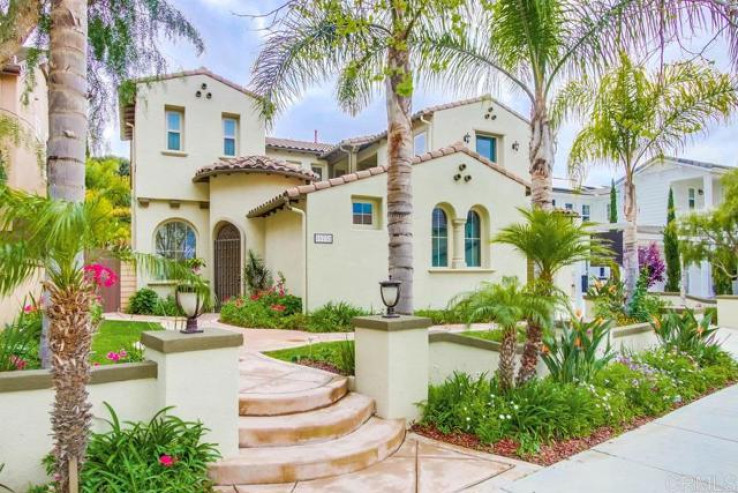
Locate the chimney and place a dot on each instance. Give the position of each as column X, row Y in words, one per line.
column 315, row 135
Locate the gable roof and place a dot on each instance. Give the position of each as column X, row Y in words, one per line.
column 297, row 145
column 363, row 141
column 253, row 164
column 295, row 193
column 692, row 163
column 128, row 110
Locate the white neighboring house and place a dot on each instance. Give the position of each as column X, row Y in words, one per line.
column 696, row 186
column 207, row 182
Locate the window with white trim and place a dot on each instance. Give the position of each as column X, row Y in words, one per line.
column 175, row 130
column 473, row 239
column 585, row 212
column 691, row 198
column 363, row 213
column 230, row 136
column 439, row 238
column 420, row 142
column 175, row 240
column 486, row 146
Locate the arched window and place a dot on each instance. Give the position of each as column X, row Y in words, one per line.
column 175, row 240
column 439, row 238
column 473, row 240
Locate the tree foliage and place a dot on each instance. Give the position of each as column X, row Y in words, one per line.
column 671, row 248
column 613, row 210
column 106, row 183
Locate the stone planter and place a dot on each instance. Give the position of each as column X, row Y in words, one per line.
column 727, row 307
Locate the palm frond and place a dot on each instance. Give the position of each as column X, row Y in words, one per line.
column 359, row 80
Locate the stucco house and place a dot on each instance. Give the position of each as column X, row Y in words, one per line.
column 21, row 166
column 208, row 182
column 696, row 186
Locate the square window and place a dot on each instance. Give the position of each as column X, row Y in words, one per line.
column 363, row 213
column 318, row 170
column 487, row 147
column 569, row 207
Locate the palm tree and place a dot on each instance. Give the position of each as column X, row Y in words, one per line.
column 507, row 304
column 534, row 45
column 632, row 117
column 48, row 234
column 551, row 240
column 370, row 45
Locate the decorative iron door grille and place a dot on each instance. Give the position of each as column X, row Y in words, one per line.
column 227, row 263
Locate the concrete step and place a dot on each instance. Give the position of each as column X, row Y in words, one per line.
column 313, row 396
column 341, row 418
column 372, row 442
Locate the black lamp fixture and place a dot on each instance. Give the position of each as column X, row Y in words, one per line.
column 516, row 146
column 390, row 291
column 467, row 138
column 190, row 302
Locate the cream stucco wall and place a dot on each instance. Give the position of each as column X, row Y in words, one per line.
column 306, row 160
column 169, row 175
column 284, row 249
column 352, row 266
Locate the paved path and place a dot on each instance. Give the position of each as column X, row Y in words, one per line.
column 693, row 449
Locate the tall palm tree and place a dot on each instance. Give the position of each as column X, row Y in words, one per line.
column 370, row 46
column 48, row 234
column 507, row 304
column 631, row 117
column 534, row 45
column 551, row 240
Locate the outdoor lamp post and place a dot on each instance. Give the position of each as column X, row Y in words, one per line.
column 190, row 303
column 390, row 291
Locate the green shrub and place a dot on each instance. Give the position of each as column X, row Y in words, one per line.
column 643, row 305
column 334, row 317
column 684, row 333
column 166, row 454
column 143, row 302
column 167, row 307
column 19, row 341
column 258, row 277
column 441, row 317
column 712, row 312
column 574, row 356
column 269, row 310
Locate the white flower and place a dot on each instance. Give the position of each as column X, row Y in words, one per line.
column 502, row 416
column 138, row 346
column 509, row 417
column 516, row 407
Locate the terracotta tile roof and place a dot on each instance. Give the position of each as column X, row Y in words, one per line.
column 298, row 145
column 295, row 193
column 253, row 164
column 364, row 140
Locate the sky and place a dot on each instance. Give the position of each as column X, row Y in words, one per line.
column 233, row 43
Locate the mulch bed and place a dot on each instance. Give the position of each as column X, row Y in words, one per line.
column 550, row 453
column 320, row 365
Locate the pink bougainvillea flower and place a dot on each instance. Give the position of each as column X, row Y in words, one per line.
column 167, row 460
column 100, row 275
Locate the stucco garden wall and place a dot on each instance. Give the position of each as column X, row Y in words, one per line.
column 727, row 306
column 284, row 248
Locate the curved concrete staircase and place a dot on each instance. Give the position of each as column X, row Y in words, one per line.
column 298, row 424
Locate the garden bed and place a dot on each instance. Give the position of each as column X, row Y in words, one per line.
column 119, row 337
column 335, row 357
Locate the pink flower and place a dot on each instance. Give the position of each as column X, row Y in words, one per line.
column 97, row 364
column 29, row 308
column 255, row 297
column 113, row 356
column 100, row 275
column 167, row 460
column 123, row 353
column 18, row 362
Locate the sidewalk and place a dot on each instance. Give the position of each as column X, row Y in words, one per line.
column 693, row 449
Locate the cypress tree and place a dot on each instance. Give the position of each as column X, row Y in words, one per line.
column 613, row 204
column 671, row 248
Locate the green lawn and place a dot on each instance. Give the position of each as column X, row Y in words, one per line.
column 114, row 335
column 338, row 354
column 494, row 335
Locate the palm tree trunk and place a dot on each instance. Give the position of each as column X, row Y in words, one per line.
column 70, row 338
column 630, row 246
column 541, row 155
column 506, row 368
column 399, row 177
column 69, row 311
column 67, row 91
column 531, row 350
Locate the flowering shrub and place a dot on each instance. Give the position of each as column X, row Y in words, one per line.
column 19, row 340
column 575, row 356
column 684, row 333
column 100, row 275
column 649, row 259
column 271, row 309
column 165, row 454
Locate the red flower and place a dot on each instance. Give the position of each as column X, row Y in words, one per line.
column 167, row 460
column 19, row 362
column 29, row 308
column 255, row 297
column 278, row 308
column 100, row 275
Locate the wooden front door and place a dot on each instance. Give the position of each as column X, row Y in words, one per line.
column 227, row 263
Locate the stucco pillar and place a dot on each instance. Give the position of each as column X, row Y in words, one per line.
column 727, row 308
column 353, row 158
column 392, row 364
column 198, row 375
column 708, row 192
column 459, row 258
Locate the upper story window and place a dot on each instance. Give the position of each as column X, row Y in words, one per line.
column 691, row 198
column 473, row 240
column 585, row 212
column 318, row 170
column 439, row 238
column 421, row 143
column 175, row 127
column 230, row 133
column 487, row 147
column 569, row 207
column 363, row 213
column 175, row 240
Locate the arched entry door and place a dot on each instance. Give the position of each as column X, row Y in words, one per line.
column 227, row 262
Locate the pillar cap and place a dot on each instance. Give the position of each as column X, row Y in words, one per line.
column 403, row 322
column 170, row 341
